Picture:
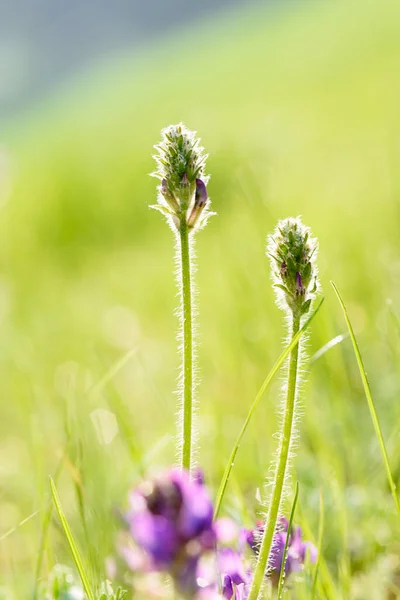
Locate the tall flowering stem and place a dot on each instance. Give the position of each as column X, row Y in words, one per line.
column 183, row 199
column 187, row 324
column 293, row 254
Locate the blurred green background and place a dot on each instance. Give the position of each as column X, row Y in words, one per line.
column 298, row 106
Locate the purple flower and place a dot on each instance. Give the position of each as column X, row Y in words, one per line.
column 297, row 551
column 171, row 520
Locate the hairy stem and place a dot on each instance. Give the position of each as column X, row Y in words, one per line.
column 281, row 469
column 187, row 355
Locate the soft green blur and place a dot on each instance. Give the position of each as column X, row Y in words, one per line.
column 299, row 110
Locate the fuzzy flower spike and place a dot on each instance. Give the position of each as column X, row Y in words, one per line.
column 183, row 199
column 293, row 254
column 292, row 251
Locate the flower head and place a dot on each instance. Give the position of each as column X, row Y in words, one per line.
column 180, row 162
column 297, row 551
column 293, row 258
column 171, row 520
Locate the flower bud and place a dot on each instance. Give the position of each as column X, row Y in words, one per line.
column 200, row 200
column 293, row 252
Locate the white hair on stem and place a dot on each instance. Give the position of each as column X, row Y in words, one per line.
column 180, row 339
column 292, row 252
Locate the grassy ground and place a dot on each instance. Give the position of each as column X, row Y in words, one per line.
column 299, row 110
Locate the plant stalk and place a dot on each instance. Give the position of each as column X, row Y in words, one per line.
column 281, row 468
column 187, row 355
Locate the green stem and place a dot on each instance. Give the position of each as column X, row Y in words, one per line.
column 281, row 469
column 187, row 328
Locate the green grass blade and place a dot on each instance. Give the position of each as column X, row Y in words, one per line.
column 282, row 573
column 45, row 531
column 20, row 524
column 319, row 549
column 71, row 542
column 371, row 404
column 267, row 381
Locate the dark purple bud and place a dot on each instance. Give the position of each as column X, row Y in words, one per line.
column 200, row 200
column 201, row 196
column 184, row 179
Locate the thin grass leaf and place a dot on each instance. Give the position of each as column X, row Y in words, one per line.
column 282, row 573
column 267, row 381
column 71, row 542
column 14, row 529
column 45, row 531
column 320, row 537
column 371, row 404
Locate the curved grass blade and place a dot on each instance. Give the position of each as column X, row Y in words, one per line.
column 71, row 542
column 267, row 381
column 45, row 531
column 320, row 536
column 282, row 573
column 371, row 405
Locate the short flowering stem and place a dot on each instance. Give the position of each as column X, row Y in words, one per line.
column 187, row 353
column 281, row 468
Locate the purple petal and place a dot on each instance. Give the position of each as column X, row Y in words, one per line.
column 231, row 563
column 197, row 511
column 157, row 536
